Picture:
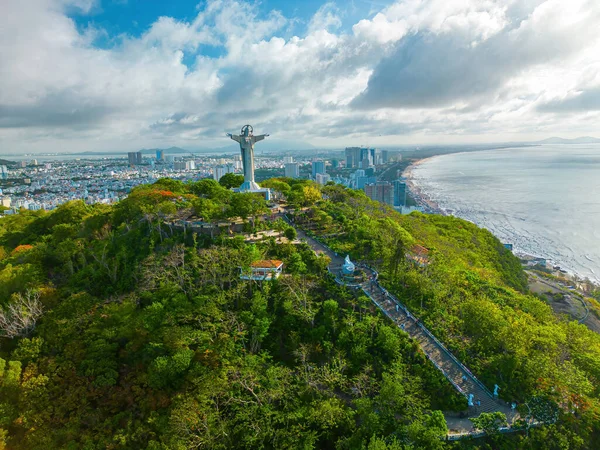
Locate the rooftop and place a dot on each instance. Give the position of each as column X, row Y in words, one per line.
column 419, row 250
column 267, row 264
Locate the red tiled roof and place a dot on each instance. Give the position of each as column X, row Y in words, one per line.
column 267, row 264
column 419, row 250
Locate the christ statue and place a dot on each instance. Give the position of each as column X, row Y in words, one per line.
column 247, row 140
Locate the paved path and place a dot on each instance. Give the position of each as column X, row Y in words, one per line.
column 460, row 377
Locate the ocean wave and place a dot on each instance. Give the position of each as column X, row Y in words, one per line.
column 537, row 221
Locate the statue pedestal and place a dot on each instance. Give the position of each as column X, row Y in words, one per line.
column 249, row 186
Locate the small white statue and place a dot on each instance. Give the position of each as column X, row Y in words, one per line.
column 348, row 267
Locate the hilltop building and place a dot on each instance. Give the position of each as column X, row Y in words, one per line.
column 263, row 270
column 419, row 255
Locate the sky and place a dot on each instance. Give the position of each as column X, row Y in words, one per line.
column 106, row 75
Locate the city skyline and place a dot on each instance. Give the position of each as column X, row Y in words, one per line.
column 94, row 75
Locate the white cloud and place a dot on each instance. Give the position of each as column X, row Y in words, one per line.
column 326, row 18
column 422, row 69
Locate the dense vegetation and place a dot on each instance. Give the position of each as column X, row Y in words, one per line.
column 121, row 328
column 473, row 296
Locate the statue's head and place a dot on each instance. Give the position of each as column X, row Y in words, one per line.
column 247, row 130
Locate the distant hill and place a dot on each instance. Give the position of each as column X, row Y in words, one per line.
column 271, row 145
column 166, row 150
column 579, row 140
column 6, row 162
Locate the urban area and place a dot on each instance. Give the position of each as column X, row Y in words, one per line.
column 39, row 184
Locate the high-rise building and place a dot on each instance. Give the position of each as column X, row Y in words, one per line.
column 376, row 158
column 179, row 165
column 362, row 157
column 219, row 171
column 399, row 193
column 292, row 170
column 160, row 155
column 353, row 156
column 381, row 191
column 184, row 165
column 3, row 172
column 384, row 156
column 134, row 158
column 22, row 164
column 335, row 163
column 288, row 159
column 363, row 180
column 318, row 167
column 322, row 178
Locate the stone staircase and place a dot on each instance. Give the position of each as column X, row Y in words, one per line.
column 459, row 376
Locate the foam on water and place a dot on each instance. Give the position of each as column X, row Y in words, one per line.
column 544, row 200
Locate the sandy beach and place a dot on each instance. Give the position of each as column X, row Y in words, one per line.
column 417, row 194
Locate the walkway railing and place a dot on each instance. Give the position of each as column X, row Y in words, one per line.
column 430, row 335
column 460, row 365
column 408, row 314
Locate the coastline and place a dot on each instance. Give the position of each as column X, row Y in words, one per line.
column 430, row 206
column 422, row 199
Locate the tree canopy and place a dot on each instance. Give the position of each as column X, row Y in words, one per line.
column 140, row 333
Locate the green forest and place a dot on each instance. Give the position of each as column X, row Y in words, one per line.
column 123, row 328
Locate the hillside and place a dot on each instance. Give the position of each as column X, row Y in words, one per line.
column 121, row 328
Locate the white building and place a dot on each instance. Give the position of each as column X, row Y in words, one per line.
column 263, row 270
column 322, row 178
column 292, row 170
column 219, row 171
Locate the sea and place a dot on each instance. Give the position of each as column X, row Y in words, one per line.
column 545, row 200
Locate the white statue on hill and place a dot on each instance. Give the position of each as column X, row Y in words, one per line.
column 348, row 267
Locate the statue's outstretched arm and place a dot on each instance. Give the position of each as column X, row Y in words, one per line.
column 235, row 137
column 260, row 137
